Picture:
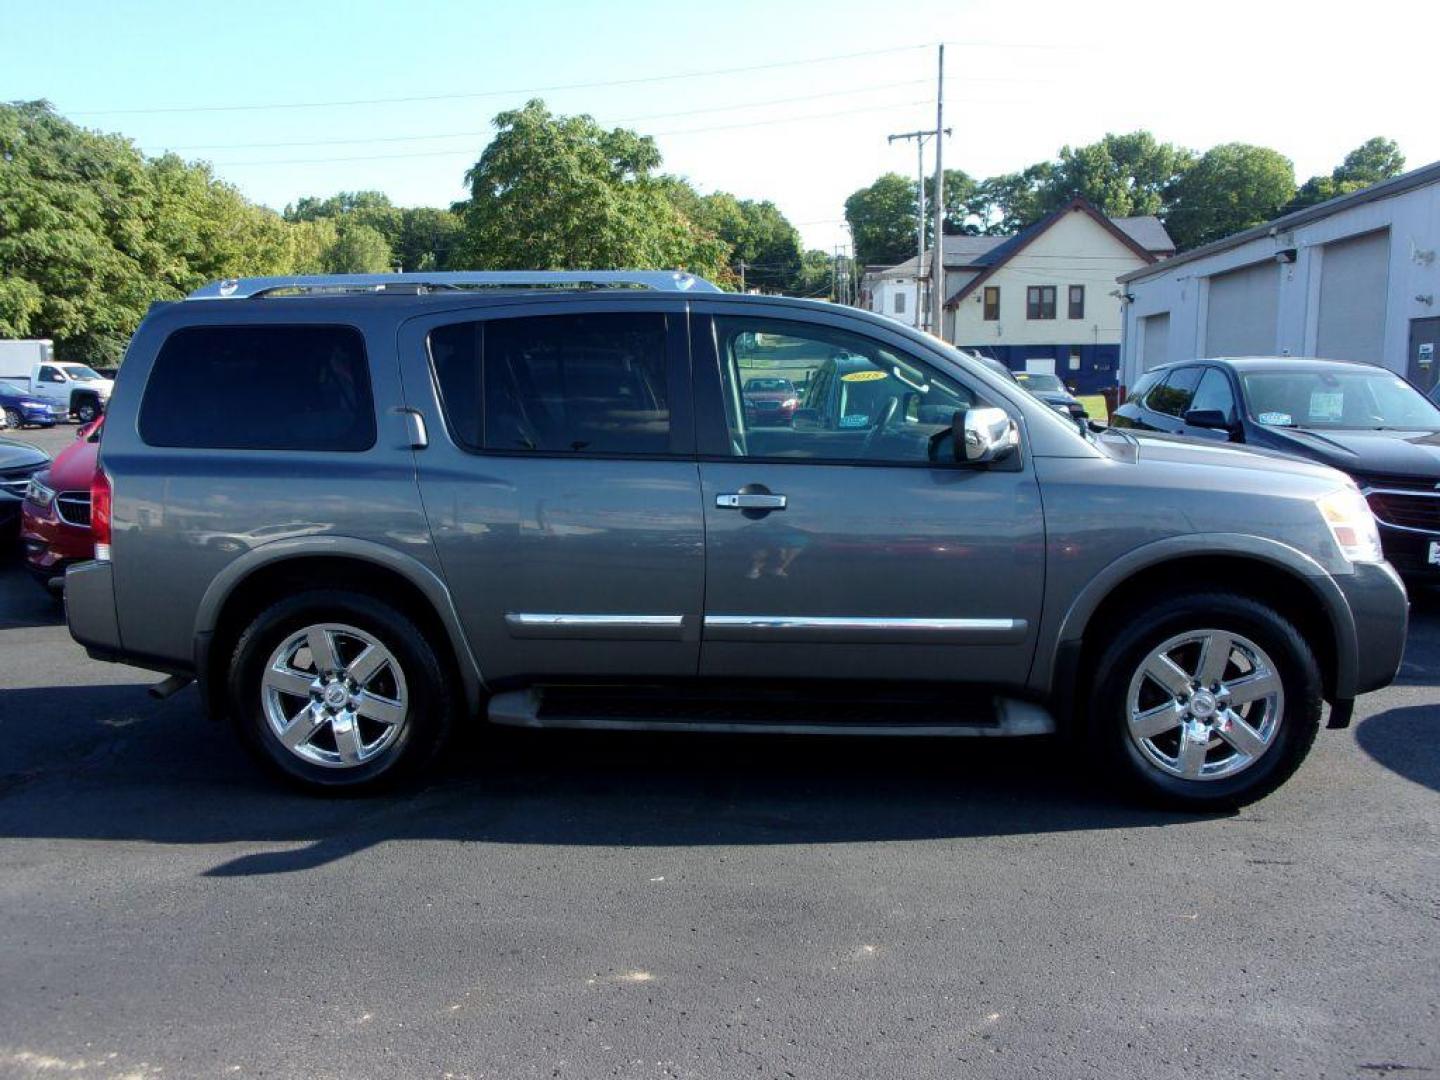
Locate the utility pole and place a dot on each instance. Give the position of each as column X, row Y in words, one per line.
column 922, row 314
column 742, row 275
column 937, row 273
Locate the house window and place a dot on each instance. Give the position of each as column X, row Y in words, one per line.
column 1040, row 302
column 1074, row 359
column 899, row 303
column 1077, row 301
column 992, row 303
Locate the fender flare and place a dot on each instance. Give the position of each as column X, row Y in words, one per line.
column 1297, row 564
column 222, row 587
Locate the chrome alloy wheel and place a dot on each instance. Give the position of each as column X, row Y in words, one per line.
column 334, row 695
column 1205, row 705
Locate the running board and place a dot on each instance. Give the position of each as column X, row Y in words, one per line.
column 602, row 710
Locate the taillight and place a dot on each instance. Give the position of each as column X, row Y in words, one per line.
column 100, row 500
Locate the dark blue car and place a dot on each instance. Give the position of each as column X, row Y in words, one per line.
column 22, row 407
column 1359, row 418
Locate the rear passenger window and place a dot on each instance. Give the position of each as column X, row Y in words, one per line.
column 260, row 388
column 574, row 384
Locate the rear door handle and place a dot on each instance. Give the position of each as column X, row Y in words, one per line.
column 744, row 500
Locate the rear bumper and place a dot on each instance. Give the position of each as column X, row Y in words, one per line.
column 1381, row 611
column 90, row 609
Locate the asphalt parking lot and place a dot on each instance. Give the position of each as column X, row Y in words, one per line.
column 566, row 905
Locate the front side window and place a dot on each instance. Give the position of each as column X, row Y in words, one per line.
column 1214, row 394
column 1173, row 396
column 260, row 388
column 573, row 384
column 855, row 399
column 992, row 303
column 1040, row 302
column 50, row 374
column 1077, row 301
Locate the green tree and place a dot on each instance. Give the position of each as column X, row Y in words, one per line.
column 427, row 237
column 359, row 249
column 558, row 192
column 1369, row 163
column 815, row 274
column 1122, row 175
column 1007, row 203
column 882, row 220
column 91, row 232
column 1230, row 188
column 758, row 234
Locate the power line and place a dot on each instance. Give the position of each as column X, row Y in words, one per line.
column 465, row 152
column 493, row 93
column 489, row 131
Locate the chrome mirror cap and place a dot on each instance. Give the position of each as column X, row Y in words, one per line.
column 989, row 435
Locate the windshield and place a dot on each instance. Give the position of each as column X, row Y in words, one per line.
column 1032, row 381
column 1362, row 399
column 781, row 386
column 80, row 372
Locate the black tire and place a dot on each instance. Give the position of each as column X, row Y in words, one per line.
column 15, row 418
column 87, row 409
column 1145, row 629
column 429, row 717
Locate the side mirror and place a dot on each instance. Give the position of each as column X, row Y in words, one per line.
column 1207, row 418
column 984, row 436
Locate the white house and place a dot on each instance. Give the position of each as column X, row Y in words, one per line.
column 1043, row 299
column 1354, row 278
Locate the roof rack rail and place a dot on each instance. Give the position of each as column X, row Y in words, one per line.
column 312, row 284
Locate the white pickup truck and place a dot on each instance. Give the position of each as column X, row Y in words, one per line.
column 71, row 389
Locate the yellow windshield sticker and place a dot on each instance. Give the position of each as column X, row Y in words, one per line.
column 863, row 376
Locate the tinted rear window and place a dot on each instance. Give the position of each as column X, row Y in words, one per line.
column 591, row 383
column 260, row 388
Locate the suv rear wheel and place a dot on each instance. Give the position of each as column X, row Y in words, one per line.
column 1206, row 701
column 339, row 692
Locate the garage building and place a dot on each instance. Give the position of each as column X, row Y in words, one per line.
column 1354, row 278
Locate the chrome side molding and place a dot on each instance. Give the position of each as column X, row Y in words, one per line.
column 863, row 628
column 623, row 627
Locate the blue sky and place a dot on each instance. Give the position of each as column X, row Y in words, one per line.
column 1310, row 79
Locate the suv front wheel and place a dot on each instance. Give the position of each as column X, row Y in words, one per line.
column 1206, row 701
column 338, row 691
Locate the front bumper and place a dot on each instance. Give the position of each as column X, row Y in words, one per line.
column 1408, row 550
column 1381, row 610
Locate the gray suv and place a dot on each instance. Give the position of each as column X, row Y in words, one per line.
column 363, row 510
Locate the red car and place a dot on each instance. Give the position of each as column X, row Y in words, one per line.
column 55, row 518
column 771, row 401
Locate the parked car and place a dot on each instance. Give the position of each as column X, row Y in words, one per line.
column 55, row 518
column 430, row 521
column 18, row 463
column 1362, row 419
column 1049, row 389
column 769, row 400
column 21, row 407
column 70, row 389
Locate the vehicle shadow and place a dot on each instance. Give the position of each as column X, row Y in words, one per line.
column 1404, row 741
column 23, row 602
column 159, row 772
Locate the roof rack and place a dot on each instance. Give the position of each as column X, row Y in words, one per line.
column 319, row 284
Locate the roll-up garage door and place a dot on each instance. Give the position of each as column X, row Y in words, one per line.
column 1244, row 311
column 1354, row 278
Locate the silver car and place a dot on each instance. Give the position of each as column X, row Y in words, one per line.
column 362, row 511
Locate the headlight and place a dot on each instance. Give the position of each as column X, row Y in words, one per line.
column 1352, row 525
column 39, row 494
column 790, row 403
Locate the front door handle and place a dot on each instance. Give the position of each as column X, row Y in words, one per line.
column 745, row 500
